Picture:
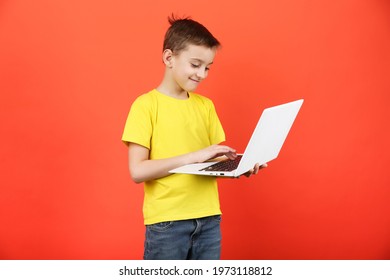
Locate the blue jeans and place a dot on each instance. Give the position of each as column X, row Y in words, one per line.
column 195, row 239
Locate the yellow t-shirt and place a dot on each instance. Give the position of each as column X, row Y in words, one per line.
column 169, row 127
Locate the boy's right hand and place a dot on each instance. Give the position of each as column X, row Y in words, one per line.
column 214, row 151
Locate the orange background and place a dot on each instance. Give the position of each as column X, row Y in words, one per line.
column 69, row 71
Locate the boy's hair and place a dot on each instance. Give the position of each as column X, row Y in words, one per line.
column 186, row 31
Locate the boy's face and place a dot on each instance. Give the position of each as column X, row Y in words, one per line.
column 191, row 65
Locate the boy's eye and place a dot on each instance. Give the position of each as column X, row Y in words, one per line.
column 195, row 65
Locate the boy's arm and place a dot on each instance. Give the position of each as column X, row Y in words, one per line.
column 144, row 169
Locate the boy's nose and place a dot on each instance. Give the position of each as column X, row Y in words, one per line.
column 202, row 73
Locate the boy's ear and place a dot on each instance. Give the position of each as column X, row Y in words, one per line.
column 167, row 57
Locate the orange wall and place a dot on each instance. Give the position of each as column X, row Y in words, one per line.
column 69, row 71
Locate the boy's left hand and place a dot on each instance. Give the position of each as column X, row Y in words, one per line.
column 255, row 170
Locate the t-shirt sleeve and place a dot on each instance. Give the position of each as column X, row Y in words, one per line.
column 138, row 128
column 217, row 135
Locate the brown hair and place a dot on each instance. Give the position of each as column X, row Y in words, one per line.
column 186, row 31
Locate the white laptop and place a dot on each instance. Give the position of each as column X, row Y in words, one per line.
column 266, row 141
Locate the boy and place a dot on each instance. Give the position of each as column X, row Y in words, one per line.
column 171, row 126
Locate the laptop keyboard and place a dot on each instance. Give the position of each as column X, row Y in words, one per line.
column 226, row 165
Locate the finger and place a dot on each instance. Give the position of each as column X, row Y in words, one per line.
column 256, row 169
column 263, row 166
column 249, row 173
column 231, row 155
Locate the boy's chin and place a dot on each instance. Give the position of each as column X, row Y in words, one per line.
column 191, row 89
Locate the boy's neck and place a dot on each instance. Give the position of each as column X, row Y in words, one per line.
column 172, row 91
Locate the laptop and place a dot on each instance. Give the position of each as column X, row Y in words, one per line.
column 264, row 145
